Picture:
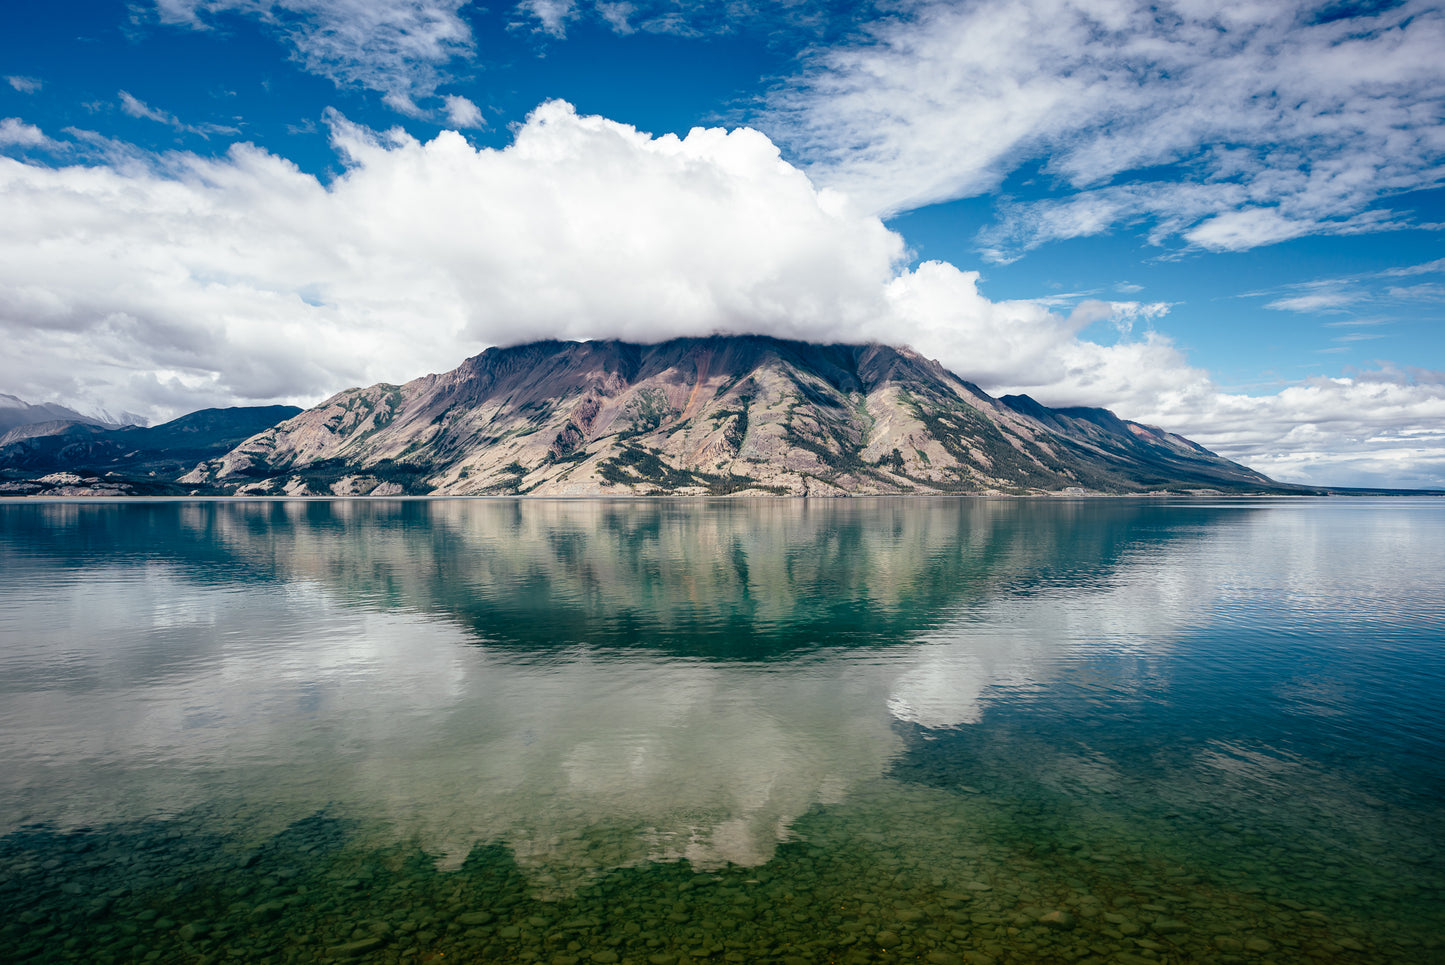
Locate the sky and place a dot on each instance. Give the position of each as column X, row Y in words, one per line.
column 1224, row 219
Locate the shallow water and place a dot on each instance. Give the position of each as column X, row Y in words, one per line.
column 940, row 730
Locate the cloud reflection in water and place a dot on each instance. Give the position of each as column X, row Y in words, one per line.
column 594, row 684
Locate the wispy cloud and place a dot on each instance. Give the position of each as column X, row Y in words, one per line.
column 1324, row 301
column 1369, row 290
column 399, row 48
column 552, row 16
column 1430, row 292
column 25, row 85
column 798, row 22
column 1359, row 322
column 1436, row 267
column 135, row 107
column 618, row 16
column 1218, row 127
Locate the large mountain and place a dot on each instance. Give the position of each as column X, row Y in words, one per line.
column 735, row 414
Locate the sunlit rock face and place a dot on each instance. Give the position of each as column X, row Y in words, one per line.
column 697, row 416
column 594, row 684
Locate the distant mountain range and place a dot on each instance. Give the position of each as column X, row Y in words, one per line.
column 691, row 416
column 71, row 457
column 15, row 412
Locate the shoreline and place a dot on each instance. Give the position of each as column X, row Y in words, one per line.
column 1330, row 492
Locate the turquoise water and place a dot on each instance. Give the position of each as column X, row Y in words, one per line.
column 789, row 731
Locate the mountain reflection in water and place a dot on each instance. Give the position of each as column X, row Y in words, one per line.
column 592, row 683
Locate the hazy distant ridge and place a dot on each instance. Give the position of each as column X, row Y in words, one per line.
column 16, row 412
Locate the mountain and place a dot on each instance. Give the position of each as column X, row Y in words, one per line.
column 726, row 414
column 127, row 460
column 17, row 412
column 43, row 430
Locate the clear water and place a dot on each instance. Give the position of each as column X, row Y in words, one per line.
column 788, row 731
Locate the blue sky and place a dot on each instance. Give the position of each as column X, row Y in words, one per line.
column 1225, row 219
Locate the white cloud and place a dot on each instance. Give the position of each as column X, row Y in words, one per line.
column 1264, row 123
column 1344, row 295
column 462, row 113
column 1428, row 268
column 399, row 48
column 25, row 85
column 1432, row 292
column 618, row 16
column 552, row 15
column 1321, row 301
column 1023, row 347
column 1357, row 322
column 162, row 283
column 16, row 133
column 692, row 18
column 138, row 108
column 1379, row 428
column 193, row 281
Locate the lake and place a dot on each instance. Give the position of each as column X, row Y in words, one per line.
column 952, row 731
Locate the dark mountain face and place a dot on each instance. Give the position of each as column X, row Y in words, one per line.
column 157, row 453
column 735, row 414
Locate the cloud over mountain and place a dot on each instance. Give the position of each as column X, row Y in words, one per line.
column 241, row 277
column 168, row 282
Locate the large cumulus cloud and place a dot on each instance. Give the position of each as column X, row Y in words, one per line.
column 192, row 280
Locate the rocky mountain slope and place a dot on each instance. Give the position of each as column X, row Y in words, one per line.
column 735, row 414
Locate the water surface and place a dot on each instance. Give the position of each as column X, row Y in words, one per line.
column 943, row 730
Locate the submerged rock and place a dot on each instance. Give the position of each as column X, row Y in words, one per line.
column 1059, row 920
column 353, row 949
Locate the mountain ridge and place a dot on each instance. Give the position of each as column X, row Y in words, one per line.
column 68, row 457
column 711, row 415
column 15, row 413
